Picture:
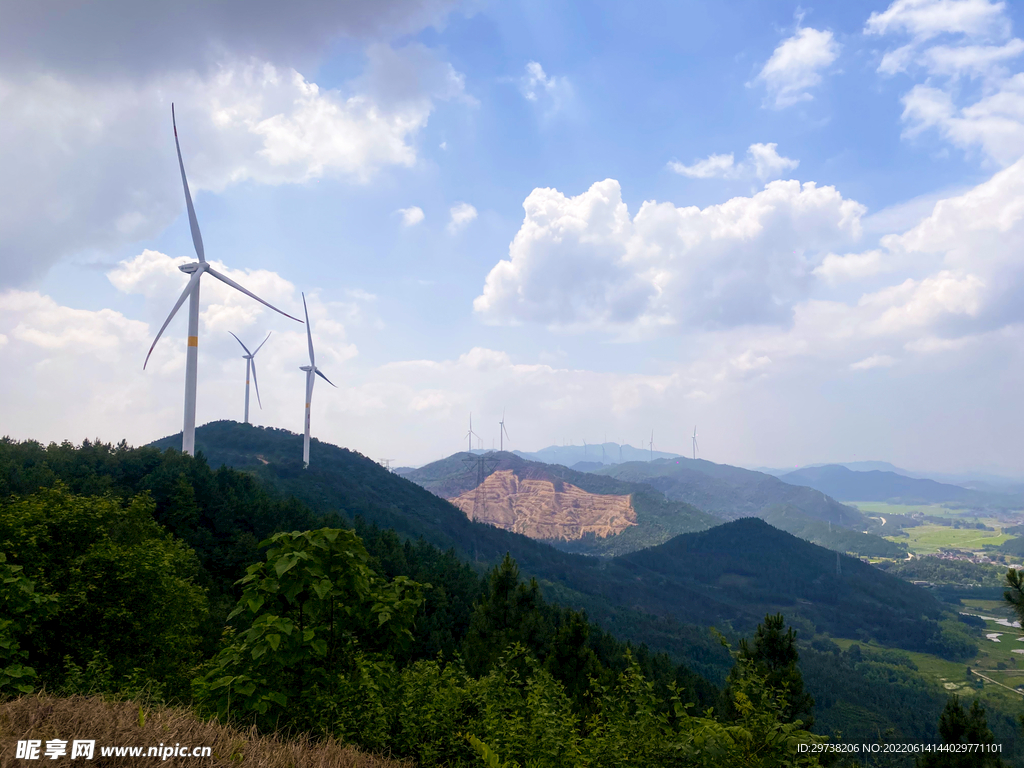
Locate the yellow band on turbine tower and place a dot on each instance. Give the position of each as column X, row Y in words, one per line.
column 193, row 341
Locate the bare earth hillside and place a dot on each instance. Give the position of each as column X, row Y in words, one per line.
column 545, row 509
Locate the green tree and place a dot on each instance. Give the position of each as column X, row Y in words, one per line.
column 773, row 655
column 962, row 726
column 510, row 612
column 307, row 619
column 124, row 590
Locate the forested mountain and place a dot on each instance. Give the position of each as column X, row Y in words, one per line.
column 610, row 589
column 874, row 485
column 731, row 492
column 553, row 493
column 733, row 572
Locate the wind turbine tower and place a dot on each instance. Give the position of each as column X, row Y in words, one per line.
column 196, row 270
column 652, row 445
column 311, row 373
column 250, row 366
column 695, row 442
column 471, row 434
column 503, row 433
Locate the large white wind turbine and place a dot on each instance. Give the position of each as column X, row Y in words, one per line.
column 250, row 365
column 695, row 442
column 196, row 269
column 311, row 373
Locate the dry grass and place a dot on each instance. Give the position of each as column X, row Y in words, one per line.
column 117, row 723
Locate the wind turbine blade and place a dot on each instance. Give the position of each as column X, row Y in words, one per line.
column 309, row 333
column 250, row 294
column 197, row 238
column 181, row 300
column 243, row 345
column 256, row 382
column 505, row 431
column 318, row 373
column 261, row 344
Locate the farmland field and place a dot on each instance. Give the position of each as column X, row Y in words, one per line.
column 928, row 539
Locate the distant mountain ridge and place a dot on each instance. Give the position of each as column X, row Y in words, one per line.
column 731, row 492
column 874, row 485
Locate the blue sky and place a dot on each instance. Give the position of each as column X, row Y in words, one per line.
column 797, row 227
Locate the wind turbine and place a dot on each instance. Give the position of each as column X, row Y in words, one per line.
column 503, row 433
column 250, row 365
column 196, row 269
column 695, row 442
column 652, row 445
column 311, row 373
column 471, row 434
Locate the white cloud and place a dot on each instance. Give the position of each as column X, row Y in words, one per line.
column 948, row 40
column 411, row 216
column 461, row 215
column 713, row 166
column 852, row 266
column 90, row 162
column 582, row 263
column 763, row 161
column 926, row 19
column 875, row 361
column 795, row 66
column 538, row 87
column 768, row 163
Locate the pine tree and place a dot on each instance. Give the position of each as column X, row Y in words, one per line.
column 960, row 726
column 773, row 654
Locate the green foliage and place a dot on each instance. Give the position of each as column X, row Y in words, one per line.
column 119, row 585
column 307, row 616
column 21, row 609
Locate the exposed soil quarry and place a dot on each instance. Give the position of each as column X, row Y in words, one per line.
column 545, row 509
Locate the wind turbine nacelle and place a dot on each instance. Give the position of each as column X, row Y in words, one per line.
column 306, row 368
column 188, row 269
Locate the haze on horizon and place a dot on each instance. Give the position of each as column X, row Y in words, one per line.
column 800, row 229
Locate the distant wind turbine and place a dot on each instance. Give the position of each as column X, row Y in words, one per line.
column 471, row 434
column 503, row 433
column 196, row 269
column 695, row 442
column 250, row 366
column 652, row 445
column 311, row 373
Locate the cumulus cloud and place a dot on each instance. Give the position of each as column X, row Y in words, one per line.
column 94, row 164
column 582, row 262
column 796, row 65
column 461, row 215
column 86, row 142
column 411, row 216
column 764, row 162
column 946, row 41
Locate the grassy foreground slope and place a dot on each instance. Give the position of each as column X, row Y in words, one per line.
column 131, row 724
